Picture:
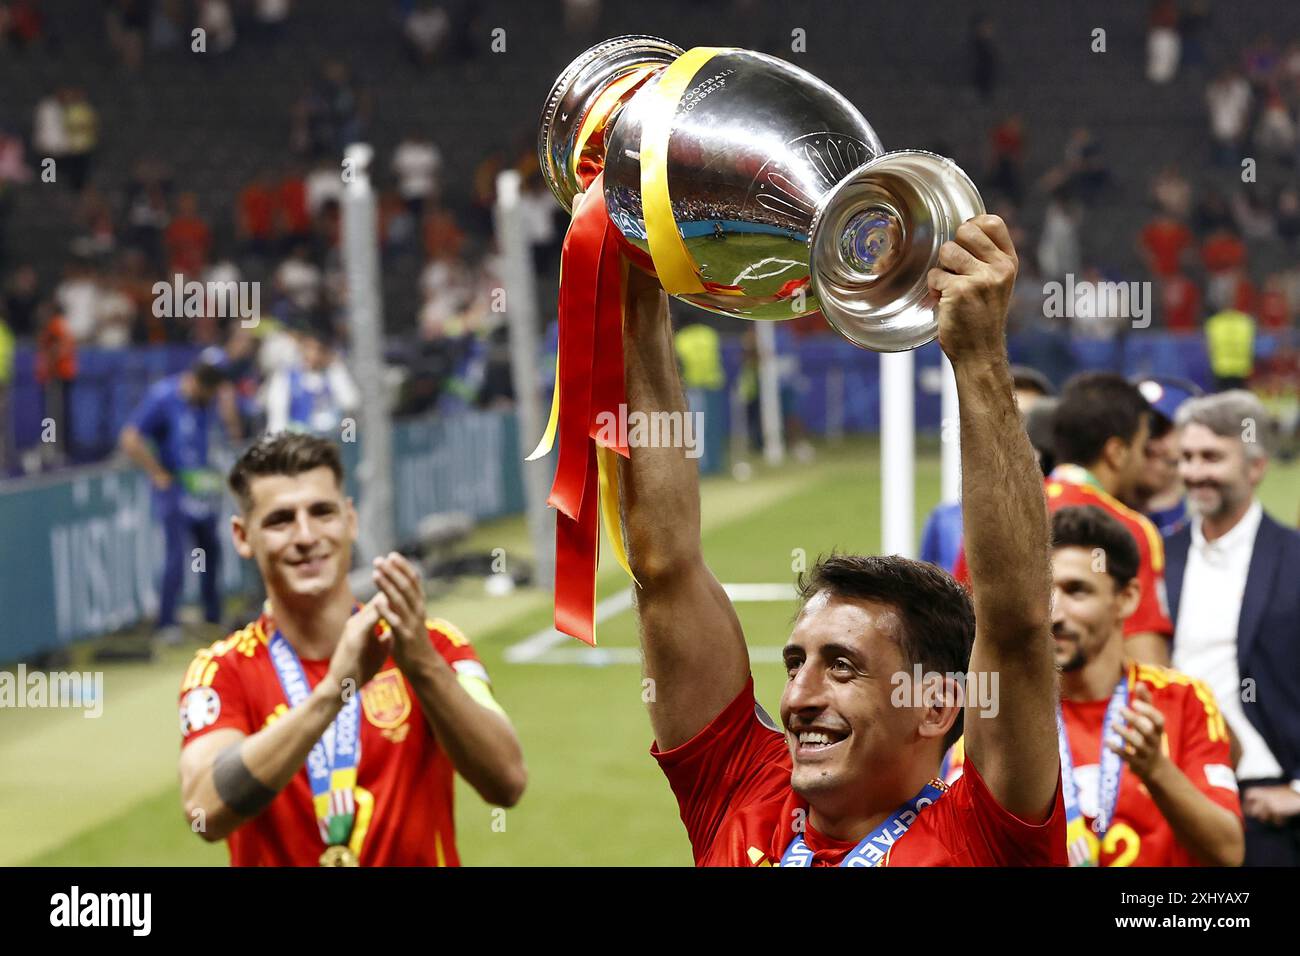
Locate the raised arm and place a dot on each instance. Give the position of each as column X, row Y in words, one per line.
column 1005, row 526
column 462, row 713
column 691, row 640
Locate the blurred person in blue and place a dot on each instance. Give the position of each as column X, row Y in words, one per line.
column 941, row 538
column 168, row 437
column 1159, row 494
column 315, row 393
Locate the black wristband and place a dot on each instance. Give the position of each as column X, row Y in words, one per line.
column 237, row 786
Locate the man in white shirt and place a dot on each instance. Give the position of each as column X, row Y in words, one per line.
column 49, row 132
column 78, row 298
column 1228, row 99
column 1231, row 577
column 299, row 280
column 416, row 163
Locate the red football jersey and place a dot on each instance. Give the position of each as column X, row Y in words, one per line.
column 1196, row 740
column 404, row 778
column 732, row 783
column 1152, row 612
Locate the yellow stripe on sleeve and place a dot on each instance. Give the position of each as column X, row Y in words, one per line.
column 480, row 692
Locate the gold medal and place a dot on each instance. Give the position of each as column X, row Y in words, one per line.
column 339, row 855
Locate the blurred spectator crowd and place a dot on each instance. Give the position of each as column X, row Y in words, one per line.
column 1197, row 247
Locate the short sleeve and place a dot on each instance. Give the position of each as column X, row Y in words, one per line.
column 455, row 648
column 457, row 651
column 738, row 758
column 993, row 835
column 212, row 697
column 1204, row 754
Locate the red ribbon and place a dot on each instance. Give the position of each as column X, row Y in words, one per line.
column 590, row 379
column 579, row 284
column 608, row 390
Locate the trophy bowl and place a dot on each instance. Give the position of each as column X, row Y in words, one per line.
column 779, row 191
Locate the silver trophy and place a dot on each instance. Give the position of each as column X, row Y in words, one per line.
column 782, row 195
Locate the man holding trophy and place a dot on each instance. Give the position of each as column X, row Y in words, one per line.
column 850, row 782
column 661, row 152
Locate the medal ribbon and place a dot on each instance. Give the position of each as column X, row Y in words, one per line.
column 876, row 845
column 1081, row 849
column 332, row 761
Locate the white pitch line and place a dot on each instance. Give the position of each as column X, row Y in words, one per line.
column 535, row 645
column 543, row 647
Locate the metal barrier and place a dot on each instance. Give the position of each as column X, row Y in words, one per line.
column 82, row 552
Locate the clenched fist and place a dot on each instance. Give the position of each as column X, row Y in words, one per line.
column 974, row 285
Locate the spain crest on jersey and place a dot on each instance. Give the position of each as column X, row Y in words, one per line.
column 384, row 699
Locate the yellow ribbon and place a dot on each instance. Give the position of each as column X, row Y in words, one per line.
column 607, row 471
column 676, row 268
column 547, row 441
column 600, row 110
column 607, row 466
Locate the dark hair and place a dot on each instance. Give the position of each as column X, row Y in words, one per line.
column 207, row 376
column 1161, row 424
column 1087, row 526
column 282, row 453
column 1027, row 378
column 1095, row 407
column 938, row 618
column 1039, row 424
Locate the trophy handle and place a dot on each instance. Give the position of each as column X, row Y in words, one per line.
column 874, row 238
column 576, row 91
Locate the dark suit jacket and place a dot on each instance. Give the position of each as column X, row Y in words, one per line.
column 1268, row 633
